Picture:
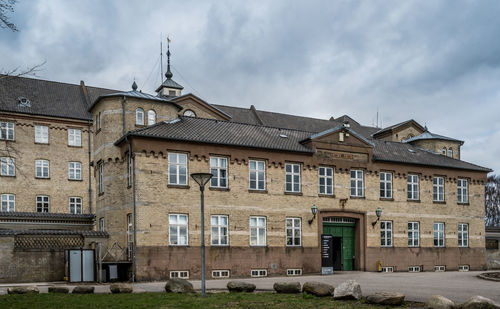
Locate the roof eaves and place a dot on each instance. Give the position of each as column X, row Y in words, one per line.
column 338, row 128
column 130, row 94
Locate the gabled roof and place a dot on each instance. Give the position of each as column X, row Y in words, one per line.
column 341, row 128
column 134, row 94
column 391, row 128
column 428, row 135
column 204, row 103
column 169, row 83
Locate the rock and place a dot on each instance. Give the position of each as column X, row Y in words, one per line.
column 58, row 289
column 287, row 287
column 386, row 298
column 23, row 290
column 318, row 288
column 177, row 285
column 348, row 290
column 239, row 286
column 439, row 302
column 479, row 302
column 120, row 288
column 83, row 289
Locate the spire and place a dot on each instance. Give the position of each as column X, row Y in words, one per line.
column 169, row 74
column 134, row 86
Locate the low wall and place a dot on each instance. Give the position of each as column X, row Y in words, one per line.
column 493, row 258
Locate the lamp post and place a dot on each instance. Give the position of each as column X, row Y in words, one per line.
column 202, row 179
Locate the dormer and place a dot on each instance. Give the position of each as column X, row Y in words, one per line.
column 439, row 144
column 399, row 132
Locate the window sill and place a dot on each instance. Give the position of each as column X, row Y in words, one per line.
column 42, row 178
column 413, row 201
column 218, row 189
column 293, row 247
column 386, row 246
column 38, row 143
column 413, row 247
column 75, row 179
column 293, row 193
column 439, row 202
column 12, row 176
column 178, row 245
column 219, row 246
column 258, row 246
column 178, row 186
column 140, row 125
column 463, row 204
column 357, row 197
column 389, row 199
column 75, row 146
column 257, row 191
column 7, row 140
column 327, row 195
column 100, row 194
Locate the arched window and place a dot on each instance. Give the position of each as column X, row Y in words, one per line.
column 189, row 113
column 139, row 116
column 151, row 117
column 450, row 152
column 443, row 151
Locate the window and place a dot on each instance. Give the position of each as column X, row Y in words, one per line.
column 385, row 185
column 293, row 232
column 7, row 166
column 75, row 137
column 42, row 169
column 177, row 169
column 414, row 269
column 443, row 151
column 387, row 269
column 151, row 117
column 172, row 93
column 189, row 113
column 7, row 130
column 450, row 152
column 438, row 189
column 101, row 225
column 294, row 272
column 101, row 178
column 218, row 168
column 413, row 234
column 219, row 230
column 463, row 267
column 386, row 233
column 326, row 180
column 8, row 202
column 139, row 116
column 438, row 234
column 413, row 190
column 463, row 191
column 75, row 170
column 129, row 170
column 257, row 231
column 258, row 273
column 357, row 183
column 463, row 235
column 257, row 175
column 292, row 177
column 98, row 122
column 220, row 273
column 42, row 203
column 130, row 236
column 440, row 268
column 183, row 274
column 75, row 206
column 178, row 231
column 42, row 134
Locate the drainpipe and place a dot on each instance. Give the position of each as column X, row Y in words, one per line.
column 90, row 169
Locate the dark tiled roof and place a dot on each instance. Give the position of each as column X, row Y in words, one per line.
column 134, row 94
column 386, row 129
column 54, row 232
column 219, row 132
column 46, row 215
column 169, row 83
column 428, row 135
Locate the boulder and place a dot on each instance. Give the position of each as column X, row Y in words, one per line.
column 386, row 298
column 177, row 285
column 240, row 286
column 116, row 288
column 318, row 288
column 83, row 289
column 348, row 290
column 23, row 290
column 58, row 289
column 479, row 302
column 287, row 287
column 439, row 302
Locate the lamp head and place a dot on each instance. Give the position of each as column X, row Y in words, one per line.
column 201, row 178
column 314, row 210
column 378, row 212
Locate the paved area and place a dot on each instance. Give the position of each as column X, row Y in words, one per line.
column 457, row 286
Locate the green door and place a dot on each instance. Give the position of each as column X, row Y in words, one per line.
column 346, row 231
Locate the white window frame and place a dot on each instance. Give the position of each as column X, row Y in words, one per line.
column 42, row 203
column 438, row 189
column 41, row 134
column 387, row 269
column 325, row 182
column 182, row 274
column 75, row 137
column 462, row 191
column 139, row 116
column 178, row 227
column 444, row 151
column 43, row 165
column 130, row 238
column 450, row 152
column 218, row 168
column 256, row 273
column 8, row 202
column 259, row 173
column 217, row 230
column 463, row 235
column 7, row 166
column 294, row 272
column 439, row 234
column 255, row 229
column 414, row 269
column 413, row 234
column 129, row 170
column 386, row 227
column 439, row 268
column 413, row 187
column 464, row 267
column 101, row 178
column 221, row 273
column 292, row 178
column 294, row 226
column 357, row 183
column 386, row 185
column 7, row 131
column 151, row 117
column 75, row 205
column 178, row 165
column 74, row 170
column 102, row 226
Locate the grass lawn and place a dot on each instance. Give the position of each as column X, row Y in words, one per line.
column 164, row 300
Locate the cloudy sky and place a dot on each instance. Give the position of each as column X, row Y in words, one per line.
column 437, row 62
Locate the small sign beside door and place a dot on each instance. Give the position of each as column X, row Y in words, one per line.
column 326, row 254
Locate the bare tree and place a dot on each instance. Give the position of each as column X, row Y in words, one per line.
column 7, row 6
column 492, row 201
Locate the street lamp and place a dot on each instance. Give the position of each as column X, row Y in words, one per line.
column 202, row 179
column 378, row 212
column 314, row 211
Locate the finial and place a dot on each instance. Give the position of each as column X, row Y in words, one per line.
column 425, row 128
column 168, row 74
column 134, row 86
